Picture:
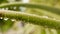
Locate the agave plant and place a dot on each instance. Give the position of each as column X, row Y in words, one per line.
column 36, row 18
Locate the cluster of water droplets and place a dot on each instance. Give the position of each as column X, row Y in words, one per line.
column 22, row 10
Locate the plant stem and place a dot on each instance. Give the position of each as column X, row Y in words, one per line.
column 31, row 18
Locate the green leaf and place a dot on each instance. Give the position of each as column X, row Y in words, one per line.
column 32, row 5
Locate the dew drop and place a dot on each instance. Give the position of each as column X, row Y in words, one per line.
column 22, row 9
column 14, row 7
column 25, row 1
column 5, row 18
column 6, row 8
column 12, row 19
column 1, row 17
column 45, row 16
column 3, row 9
column 54, row 18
